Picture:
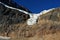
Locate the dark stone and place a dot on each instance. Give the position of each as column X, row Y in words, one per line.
column 9, row 17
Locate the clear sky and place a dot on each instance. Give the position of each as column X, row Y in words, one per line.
column 37, row 6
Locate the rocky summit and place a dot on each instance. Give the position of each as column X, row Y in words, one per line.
column 13, row 25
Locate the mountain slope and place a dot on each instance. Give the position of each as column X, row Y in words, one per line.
column 10, row 16
column 13, row 24
column 53, row 15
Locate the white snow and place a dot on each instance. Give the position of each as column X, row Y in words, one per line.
column 14, row 8
column 1, row 37
column 33, row 17
column 45, row 11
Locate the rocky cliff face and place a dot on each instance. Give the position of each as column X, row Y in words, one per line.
column 9, row 17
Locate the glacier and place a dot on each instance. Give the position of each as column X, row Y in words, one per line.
column 33, row 16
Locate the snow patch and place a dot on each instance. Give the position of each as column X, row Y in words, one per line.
column 1, row 37
column 34, row 17
column 45, row 11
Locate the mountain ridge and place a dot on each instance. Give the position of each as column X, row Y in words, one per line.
column 13, row 24
column 14, row 4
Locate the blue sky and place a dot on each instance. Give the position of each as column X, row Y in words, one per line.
column 37, row 6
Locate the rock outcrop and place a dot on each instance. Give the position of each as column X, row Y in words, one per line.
column 9, row 17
